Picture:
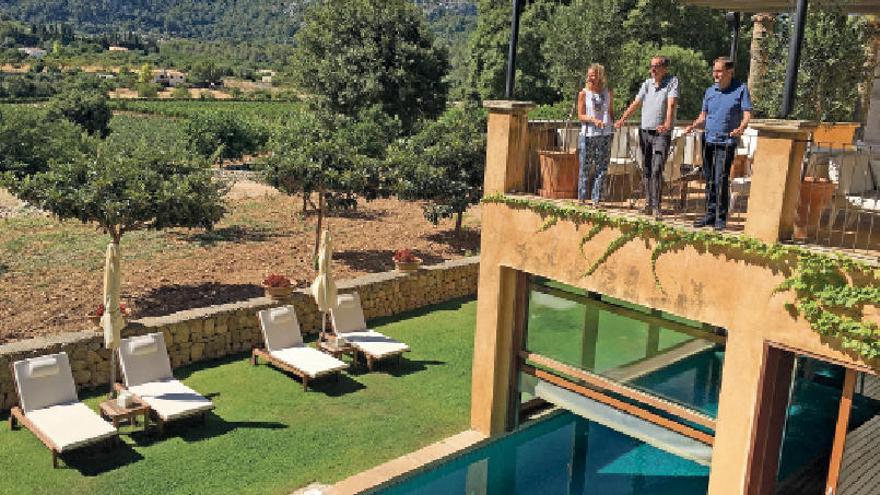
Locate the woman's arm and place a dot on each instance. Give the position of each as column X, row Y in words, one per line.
column 582, row 108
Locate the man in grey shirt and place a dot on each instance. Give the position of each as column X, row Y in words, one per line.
column 658, row 97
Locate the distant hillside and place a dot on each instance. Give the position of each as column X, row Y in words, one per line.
column 242, row 20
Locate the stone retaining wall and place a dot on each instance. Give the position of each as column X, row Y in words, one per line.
column 216, row 331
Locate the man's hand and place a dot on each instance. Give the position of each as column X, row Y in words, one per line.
column 618, row 124
column 662, row 128
column 737, row 132
column 689, row 129
column 599, row 123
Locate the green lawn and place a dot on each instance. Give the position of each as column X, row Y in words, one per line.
column 267, row 435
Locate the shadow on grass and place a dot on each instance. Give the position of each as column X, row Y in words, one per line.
column 376, row 260
column 99, row 459
column 394, row 368
column 194, row 430
column 169, row 299
column 233, row 233
column 450, row 305
column 467, row 240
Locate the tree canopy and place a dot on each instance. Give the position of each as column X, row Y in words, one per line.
column 354, row 54
column 443, row 163
column 126, row 184
column 31, row 142
column 833, row 64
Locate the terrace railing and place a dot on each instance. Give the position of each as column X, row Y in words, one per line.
column 838, row 201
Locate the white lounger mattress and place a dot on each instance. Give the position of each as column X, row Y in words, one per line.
column 72, row 425
column 172, row 399
column 374, row 343
column 310, row 361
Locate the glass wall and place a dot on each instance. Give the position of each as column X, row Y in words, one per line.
column 648, row 350
column 811, row 419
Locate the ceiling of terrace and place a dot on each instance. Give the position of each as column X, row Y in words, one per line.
column 774, row 6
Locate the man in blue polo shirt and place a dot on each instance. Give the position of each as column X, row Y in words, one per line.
column 727, row 109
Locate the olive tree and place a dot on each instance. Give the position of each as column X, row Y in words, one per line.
column 333, row 155
column 443, row 164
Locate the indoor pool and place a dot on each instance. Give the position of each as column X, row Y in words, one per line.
column 561, row 454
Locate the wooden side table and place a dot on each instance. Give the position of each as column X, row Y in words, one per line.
column 111, row 410
column 335, row 350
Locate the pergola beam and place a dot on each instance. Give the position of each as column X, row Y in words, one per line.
column 780, row 6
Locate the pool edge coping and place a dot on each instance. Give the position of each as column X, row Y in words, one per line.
column 408, row 463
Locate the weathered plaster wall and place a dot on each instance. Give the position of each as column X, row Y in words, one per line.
column 216, row 331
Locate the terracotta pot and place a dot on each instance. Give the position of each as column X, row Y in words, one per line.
column 278, row 293
column 815, row 195
column 408, row 266
column 559, row 174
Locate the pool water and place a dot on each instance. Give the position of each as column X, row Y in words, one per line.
column 561, row 454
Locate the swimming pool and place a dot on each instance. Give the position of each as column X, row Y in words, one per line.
column 560, row 454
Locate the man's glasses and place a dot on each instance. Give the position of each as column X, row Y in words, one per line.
column 656, row 66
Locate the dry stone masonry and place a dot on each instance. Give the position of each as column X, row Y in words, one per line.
column 217, row 331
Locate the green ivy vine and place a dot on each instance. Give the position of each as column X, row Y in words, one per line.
column 825, row 288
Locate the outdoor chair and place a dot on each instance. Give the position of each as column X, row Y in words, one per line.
column 49, row 407
column 349, row 324
column 285, row 348
column 146, row 372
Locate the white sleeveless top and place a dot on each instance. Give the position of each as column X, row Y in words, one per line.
column 598, row 106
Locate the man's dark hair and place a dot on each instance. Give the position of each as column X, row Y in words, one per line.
column 728, row 63
column 664, row 60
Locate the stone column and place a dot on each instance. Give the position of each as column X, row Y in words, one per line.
column 776, row 178
column 872, row 122
column 507, row 145
column 762, row 26
column 498, row 324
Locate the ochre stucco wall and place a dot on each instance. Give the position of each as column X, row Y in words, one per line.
column 712, row 287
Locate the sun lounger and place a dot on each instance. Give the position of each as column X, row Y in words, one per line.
column 49, row 407
column 349, row 323
column 147, row 374
column 286, row 350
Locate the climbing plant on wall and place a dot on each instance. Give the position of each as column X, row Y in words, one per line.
column 830, row 291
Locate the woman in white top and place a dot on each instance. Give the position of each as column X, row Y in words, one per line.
column 596, row 113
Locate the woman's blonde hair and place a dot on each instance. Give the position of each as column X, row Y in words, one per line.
column 600, row 75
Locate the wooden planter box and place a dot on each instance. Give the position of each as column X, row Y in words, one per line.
column 835, row 135
column 559, row 174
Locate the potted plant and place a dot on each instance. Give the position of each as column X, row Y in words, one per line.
column 406, row 261
column 277, row 286
column 815, row 195
column 95, row 315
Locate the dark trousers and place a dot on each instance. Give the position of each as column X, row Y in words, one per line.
column 655, row 147
column 717, row 159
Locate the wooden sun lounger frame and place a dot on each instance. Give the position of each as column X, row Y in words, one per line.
column 263, row 353
column 16, row 415
column 160, row 422
column 372, row 359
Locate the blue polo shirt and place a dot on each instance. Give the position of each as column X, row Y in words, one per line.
column 724, row 110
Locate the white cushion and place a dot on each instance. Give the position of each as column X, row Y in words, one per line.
column 172, row 399
column 70, row 425
column 280, row 328
column 143, row 346
column 43, row 366
column 375, row 344
column 140, row 366
column 48, row 387
column 310, row 361
column 348, row 316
